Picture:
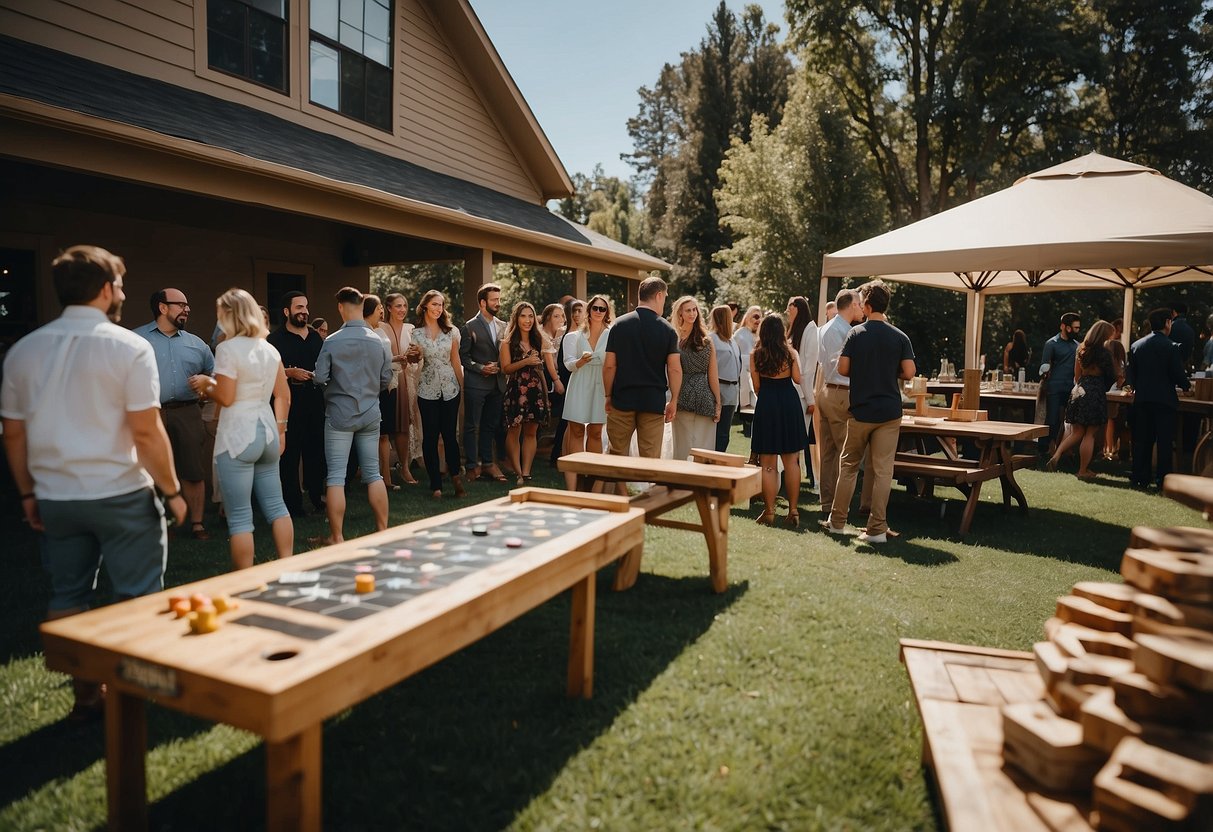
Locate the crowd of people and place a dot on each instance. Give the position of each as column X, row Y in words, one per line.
column 306, row 409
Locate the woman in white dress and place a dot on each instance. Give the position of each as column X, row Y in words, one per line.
column 585, row 396
column 728, row 371
column 250, row 437
column 802, row 337
column 401, row 402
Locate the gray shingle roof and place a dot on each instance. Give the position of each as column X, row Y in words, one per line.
column 62, row 80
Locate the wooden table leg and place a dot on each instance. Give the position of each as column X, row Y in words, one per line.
column 718, row 542
column 292, row 782
column 627, row 570
column 1010, row 488
column 581, row 639
column 125, row 760
column 966, row 519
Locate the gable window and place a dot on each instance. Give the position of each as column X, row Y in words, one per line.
column 351, row 58
column 248, row 38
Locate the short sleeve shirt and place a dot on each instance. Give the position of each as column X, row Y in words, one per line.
column 642, row 342
column 72, row 382
column 876, row 350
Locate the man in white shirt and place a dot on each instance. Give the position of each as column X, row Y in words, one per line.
column 81, row 409
column 834, row 403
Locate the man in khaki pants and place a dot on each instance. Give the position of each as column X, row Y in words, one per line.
column 645, row 346
column 834, row 400
column 875, row 357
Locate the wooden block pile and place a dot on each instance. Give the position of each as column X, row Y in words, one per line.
column 1128, row 673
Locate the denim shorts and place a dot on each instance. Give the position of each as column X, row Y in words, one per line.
column 337, row 443
column 252, row 472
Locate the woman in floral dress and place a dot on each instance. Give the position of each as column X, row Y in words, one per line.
column 525, row 405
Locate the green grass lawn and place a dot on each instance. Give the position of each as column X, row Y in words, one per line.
column 779, row 704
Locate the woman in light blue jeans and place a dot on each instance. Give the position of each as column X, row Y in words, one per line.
column 250, row 436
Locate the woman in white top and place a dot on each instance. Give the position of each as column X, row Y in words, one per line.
column 401, row 402
column 728, row 371
column 802, row 337
column 585, row 396
column 745, row 336
column 250, row 436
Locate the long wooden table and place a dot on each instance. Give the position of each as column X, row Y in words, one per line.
column 714, row 488
column 997, row 460
column 960, row 691
column 296, row 651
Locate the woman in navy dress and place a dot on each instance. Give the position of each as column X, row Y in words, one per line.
column 778, row 418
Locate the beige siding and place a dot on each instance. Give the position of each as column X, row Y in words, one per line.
column 442, row 118
column 441, row 123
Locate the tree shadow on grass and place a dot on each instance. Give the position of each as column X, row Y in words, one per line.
column 471, row 741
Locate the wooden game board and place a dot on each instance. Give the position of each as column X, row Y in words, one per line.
column 303, row 646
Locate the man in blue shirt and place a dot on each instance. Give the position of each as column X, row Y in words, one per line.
column 185, row 364
column 353, row 366
column 1057, row 376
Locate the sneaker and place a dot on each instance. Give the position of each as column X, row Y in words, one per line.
column 835, row 530
column 865, row 537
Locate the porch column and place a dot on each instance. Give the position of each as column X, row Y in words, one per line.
column 580, row 285
column 477, row 271
column 633, row 295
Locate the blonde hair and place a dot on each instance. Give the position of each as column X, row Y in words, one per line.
column 697, row 335
column 239, row 314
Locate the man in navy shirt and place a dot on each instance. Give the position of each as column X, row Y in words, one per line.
column 875, row 358
column 1154, row 371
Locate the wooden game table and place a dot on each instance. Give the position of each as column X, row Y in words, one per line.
column 960, row 691
column 279, row 670
column 714, row 482
column 997, row 460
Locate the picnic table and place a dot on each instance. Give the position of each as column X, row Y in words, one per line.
column 307, row 642
column 960, row 691
column 997, row 460
column 713, row 481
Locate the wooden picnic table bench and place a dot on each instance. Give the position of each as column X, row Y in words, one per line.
column 714, row 481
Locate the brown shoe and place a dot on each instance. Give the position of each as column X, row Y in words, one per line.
column 199, row 532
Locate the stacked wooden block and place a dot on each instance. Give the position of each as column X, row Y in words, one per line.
column 1128, row 673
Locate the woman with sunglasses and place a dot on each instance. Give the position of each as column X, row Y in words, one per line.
column 745, row 335
column 574, row 316
column 699, row 397
column 525, row 402
column 585, row 396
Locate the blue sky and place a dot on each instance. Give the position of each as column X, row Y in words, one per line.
column 580, row 62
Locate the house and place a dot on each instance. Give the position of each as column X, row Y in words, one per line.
column 273, row 145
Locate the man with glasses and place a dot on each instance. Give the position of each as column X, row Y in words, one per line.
column 185, row 365
column 1057, row 376
column 645, row 346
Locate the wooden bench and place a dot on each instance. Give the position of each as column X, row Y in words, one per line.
column 711, row 479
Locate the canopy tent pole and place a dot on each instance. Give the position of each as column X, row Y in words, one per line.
column 1126, row 335
column 823, row 298
column 975, row 305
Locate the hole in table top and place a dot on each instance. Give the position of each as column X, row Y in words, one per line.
column 280, row 655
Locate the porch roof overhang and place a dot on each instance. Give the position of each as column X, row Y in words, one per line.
column 61, row 110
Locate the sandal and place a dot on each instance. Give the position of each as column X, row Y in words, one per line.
column 793, row 518
column 767, row 518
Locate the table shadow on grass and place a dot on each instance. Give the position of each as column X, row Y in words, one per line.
column 471, row 741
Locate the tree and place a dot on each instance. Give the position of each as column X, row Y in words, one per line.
column 790, row 195
column 946, row 93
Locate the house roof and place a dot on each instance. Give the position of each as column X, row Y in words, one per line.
column 61, row 80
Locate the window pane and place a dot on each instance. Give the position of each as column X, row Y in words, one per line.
column 324, row 17
column 226, row 17
column 275, row 8
column 378, row 21
column 376, row 50
column 353, row 91
column 379, row 96
column 324, row 76
column 351, row 13
column 351, row 38
column 225, row 54
column 266, row 37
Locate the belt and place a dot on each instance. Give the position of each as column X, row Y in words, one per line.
column 834, row 386
column 726, row 381
column 172, row 405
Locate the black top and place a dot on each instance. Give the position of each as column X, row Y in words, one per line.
column 1183, row 334
column 876, row 350
column 642, row 342
column 296, row 351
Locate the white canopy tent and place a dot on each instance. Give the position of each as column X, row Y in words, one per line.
column 1090, row 223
